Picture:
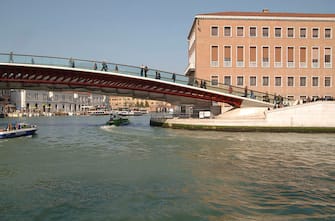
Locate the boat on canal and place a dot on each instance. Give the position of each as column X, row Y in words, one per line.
column 117, row 120
column 18, row 130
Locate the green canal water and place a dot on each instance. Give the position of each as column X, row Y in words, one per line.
column 76, row 169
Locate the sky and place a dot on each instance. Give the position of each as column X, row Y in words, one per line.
column 133, row 32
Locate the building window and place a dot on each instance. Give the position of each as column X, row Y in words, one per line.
column 253, row 81
column 227, row 31
column 214, row 56
column 265, row 32
column 239, row 81
column 253, row 32
column 315, row 81
column 303, row 82
column 315, row 33
column 315, row 57
column 278, row 57
column 303, row 57
column 253, row 56
column 240, row 31
column 215, row 31
column 290, row 81
column 290, row 32
column 328, row 60
column 227, row 56
column 303, row 32
column 278, row 32
column 214, row 80
column 265, row 81
column 328, row 33
column 227, row 80
column 265, row 56
column 328, row 81
column 240, row 56
column 290, row 57
column 278, row 81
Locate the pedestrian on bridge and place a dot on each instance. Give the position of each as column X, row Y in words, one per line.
column 174, row 77
column 11, row 60
column 142, row 70
column 71, row 63
column 104, row 66
column 146, row 71
column 158, row 75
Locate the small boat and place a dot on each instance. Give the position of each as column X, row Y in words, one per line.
column 18, row 130
column 116, row 120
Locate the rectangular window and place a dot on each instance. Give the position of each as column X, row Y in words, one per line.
column 327, row 81
column 240, row 56
column 265, row 81
column 315, row 33
column 265, row 56
column 278, row 81
column 227, row 56
column 265, row 32
column 253, row 32
column 303, row 82
column 278, row 62
column 240, row 31
column 227, row 31
column 290, row 32
column 239, row 81
column 253, row 80
column 290, row 57
column 303, row 57
column 227, row 80
column 278, row 32
column 290, row 81
column 253, row 56
column 328, row 33
column 303, row 32
column 214, row 56
column 214, row 80
column 215, row 31
column 315, row 57
column 315, row 81
column 328, row 61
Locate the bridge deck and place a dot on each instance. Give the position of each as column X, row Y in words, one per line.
column 53, row 73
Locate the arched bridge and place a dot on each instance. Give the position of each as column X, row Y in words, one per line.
column 54, row 73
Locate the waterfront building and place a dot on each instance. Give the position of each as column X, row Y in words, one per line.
column 117, row 102
column 4, row 101
column 55, row 101
column 288, row 54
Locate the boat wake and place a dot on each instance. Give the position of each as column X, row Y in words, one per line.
column 107, row 127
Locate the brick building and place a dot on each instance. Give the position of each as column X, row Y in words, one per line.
column 290, row 54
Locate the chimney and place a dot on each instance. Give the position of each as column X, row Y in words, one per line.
column 266, row 10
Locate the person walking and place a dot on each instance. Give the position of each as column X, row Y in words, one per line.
column 146, row 71
column 104, row 66
column 174, row 77
column 142, row 70
column 158, row 75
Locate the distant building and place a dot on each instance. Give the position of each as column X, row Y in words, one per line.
column 291, row 54
column 53, row 102
column 117, row 102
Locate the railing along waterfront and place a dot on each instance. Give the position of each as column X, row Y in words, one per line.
column 139, row 71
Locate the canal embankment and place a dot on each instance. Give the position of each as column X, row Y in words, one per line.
column 316, row 117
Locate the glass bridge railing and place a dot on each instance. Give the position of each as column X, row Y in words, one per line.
column 139, row 72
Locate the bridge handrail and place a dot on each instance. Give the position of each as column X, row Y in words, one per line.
column 137, row 71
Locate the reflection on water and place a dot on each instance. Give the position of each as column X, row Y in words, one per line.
column 77, row 169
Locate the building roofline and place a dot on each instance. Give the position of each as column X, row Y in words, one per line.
column 266, row 13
